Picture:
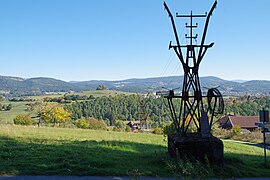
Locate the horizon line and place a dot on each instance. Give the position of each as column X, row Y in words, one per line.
column 235, row 80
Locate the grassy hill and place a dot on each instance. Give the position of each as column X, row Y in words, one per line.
column 57, row 151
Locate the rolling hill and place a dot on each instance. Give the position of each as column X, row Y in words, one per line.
column 255, row 87
column 33, row 86
column 16, row 86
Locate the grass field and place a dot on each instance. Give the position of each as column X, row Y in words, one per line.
column 6, row 117
column 58, row 151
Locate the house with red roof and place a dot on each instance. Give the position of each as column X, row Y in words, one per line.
column 245, row 122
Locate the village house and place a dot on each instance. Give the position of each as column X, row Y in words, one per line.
column 245, row 122
column 134, row 125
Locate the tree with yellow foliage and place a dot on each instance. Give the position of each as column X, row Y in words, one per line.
column 55, row 113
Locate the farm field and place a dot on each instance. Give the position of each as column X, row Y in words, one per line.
column 58, row 151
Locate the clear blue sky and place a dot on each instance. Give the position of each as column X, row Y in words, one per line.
column 121, row 39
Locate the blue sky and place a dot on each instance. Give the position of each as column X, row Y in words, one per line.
column 120, row 39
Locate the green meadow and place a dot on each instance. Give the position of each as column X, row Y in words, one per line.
column 6, row 117
column 63, row 151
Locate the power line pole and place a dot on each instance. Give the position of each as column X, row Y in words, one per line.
column 192, row 108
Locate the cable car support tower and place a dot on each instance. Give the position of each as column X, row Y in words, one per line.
column 192, row 107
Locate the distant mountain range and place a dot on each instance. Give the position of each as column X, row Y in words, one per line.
column 16, row 86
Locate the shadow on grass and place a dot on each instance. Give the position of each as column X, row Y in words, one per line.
column 106, row 158
column 53, row 157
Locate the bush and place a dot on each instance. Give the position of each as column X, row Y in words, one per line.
column 23, row 119
column 236, row 130
column 222, row 133
column 158, row 131
column 127, row 128
column 254, row 137
column 236, row 134
column 169, row 129
column 116, row 129
column 91, row 123
column 119, row 126
column 96, row 124
column 82, row 124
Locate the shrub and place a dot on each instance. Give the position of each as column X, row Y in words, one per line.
column 120, row 126
column 116, row 129
column 96, row 124
column 158, row 131
column 236, row 134
column 255, row 137
column 236, row 130
column 127, row 129
column 91, row 123
column 222, row 133
column 169, row 129
column 23, row 119
column 82, row 124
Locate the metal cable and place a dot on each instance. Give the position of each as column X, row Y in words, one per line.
column 215, row 101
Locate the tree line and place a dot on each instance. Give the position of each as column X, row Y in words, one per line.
column 121, row 107
column 112, row 109
column 131, row 108
column 246, row 105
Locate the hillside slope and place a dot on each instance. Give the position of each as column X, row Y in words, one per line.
column 33, row 86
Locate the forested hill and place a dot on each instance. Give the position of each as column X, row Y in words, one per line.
column 33, row 86
column 255, row 87
column 37, row 86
